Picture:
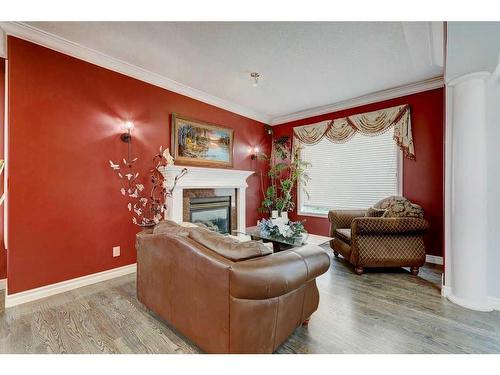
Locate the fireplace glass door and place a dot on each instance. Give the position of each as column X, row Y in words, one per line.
column 213, row 212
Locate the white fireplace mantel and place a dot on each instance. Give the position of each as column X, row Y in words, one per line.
column 205, row 178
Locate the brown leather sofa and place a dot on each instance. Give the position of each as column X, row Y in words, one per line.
column 227, row 306
column 378, row 241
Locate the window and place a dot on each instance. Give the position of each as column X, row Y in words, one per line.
column 355, row 174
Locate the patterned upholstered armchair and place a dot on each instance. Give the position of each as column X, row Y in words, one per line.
column 390, row 234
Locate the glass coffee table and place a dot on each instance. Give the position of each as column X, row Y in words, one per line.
column 283, row 243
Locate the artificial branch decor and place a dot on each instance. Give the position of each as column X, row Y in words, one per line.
column 146, row 211
column 286, row 169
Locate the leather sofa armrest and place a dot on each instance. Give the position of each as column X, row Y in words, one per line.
column 392, row 225
column 277, row 274
column 342, row 219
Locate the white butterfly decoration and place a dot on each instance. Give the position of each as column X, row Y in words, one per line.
column 168, row 157
column 114, row 166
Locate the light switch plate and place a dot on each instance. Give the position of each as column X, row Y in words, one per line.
column 116, row 251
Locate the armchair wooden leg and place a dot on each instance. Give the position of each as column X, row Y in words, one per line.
column 359, row 270
column 336, row 253
column 414, row 271
column 305, row 323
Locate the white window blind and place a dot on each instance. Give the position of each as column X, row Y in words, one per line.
column 355, row 174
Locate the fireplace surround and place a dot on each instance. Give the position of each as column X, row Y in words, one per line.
column 217, row 180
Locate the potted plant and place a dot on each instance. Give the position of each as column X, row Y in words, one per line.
column 286, row 170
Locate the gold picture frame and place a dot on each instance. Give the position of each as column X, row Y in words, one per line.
column 194, row 142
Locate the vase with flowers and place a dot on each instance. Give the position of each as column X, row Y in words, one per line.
column 146, row 210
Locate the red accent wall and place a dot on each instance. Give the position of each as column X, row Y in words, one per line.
column 65, row 209
column 3, row 253
column 423, row 178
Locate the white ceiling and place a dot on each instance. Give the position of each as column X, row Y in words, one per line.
column 303, row 65
column 472, row 47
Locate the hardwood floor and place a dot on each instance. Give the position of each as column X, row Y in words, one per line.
column 378, row 312
column 2, row 300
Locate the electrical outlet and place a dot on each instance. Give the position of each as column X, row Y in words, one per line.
column 116, row 251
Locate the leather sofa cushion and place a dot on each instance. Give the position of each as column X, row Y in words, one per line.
column 170, row 227
column 228, row 247
column 343, row 234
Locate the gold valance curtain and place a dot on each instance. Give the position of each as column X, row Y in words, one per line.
column 370, row 124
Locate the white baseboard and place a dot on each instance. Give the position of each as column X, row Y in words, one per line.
column 3, row 284
column 64, row 286
column 493, row 302
column 445, row 291
column 434, row 259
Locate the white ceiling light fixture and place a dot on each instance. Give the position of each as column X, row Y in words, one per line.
column 255, row 76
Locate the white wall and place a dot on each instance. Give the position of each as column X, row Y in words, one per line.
column 474, row 47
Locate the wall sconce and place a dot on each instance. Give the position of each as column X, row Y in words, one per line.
column 128, row 126
column 269, row 129
column 255, row 152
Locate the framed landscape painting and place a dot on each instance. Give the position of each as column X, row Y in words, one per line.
column 198, row 143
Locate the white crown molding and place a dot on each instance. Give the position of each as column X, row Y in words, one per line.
column 49, row 40
column 396, row 92
column 434, row 259
column 64, row 286
column 57, row 43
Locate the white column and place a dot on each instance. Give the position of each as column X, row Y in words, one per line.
column 468, row 207
column 241, row 207
column 174, row 206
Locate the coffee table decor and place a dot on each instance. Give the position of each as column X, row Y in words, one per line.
column 281, row 243
column 281, row 231
column 279, row 227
